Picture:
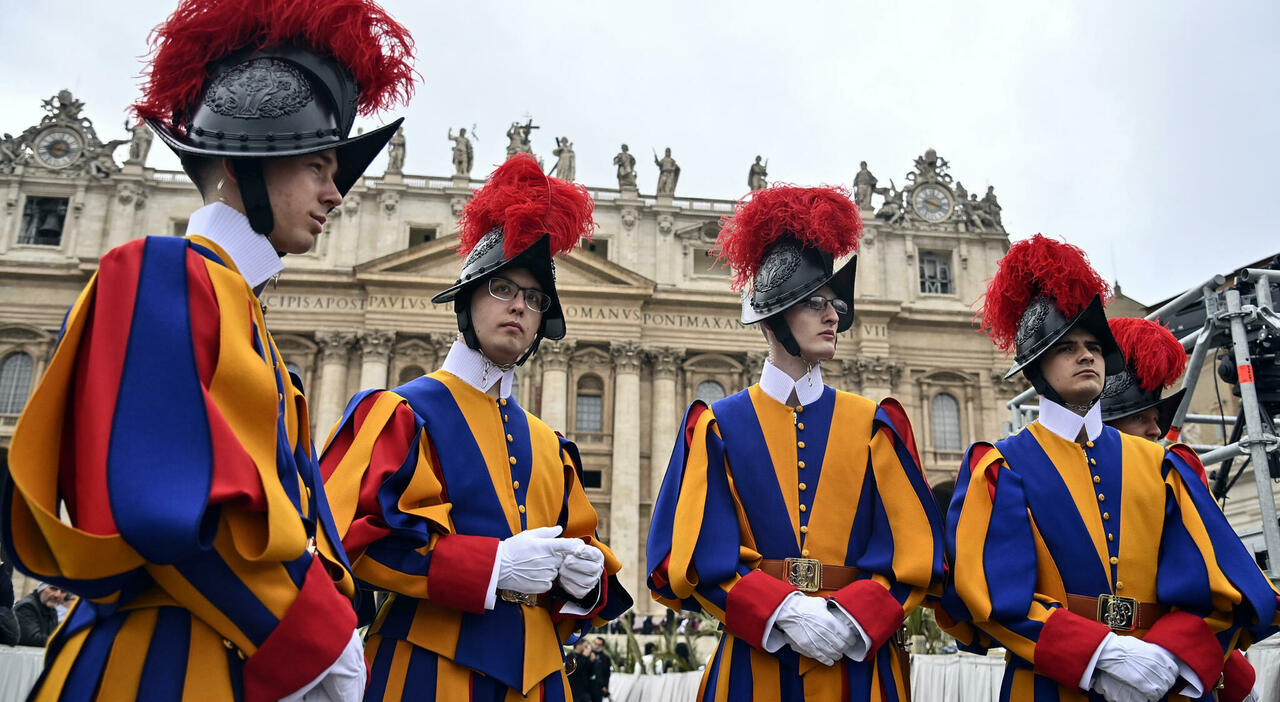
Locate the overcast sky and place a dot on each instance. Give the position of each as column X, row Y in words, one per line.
column 1146, row 132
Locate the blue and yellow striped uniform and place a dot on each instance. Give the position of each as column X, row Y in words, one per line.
column 168, row 429
column 1036, row 517
column 836, row 480
column 425, row 480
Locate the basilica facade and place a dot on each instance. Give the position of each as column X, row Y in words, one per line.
column 652, row 323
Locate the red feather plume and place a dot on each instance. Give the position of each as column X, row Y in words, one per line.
column 823, row 217
column 358, row 33
column 1154, row 355
column 1034, row 267
column 527, row 204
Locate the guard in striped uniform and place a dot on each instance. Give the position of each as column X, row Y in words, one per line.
column 465, row 507
column 167, row 427
column 1098, row 559
column 795, row 513
column 1132, row 403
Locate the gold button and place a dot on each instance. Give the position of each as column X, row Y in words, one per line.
column 800, row 425
column 521, row 509
column 803, row 487
column 803, row 508
column 804, row 530
column 1119, row 585
column 308, row 493
column 502, row 401
column 1106, row 515
column 281, row 396
column 1101, row 497
column 800, row 464
column 1114, row 560
column 1111, row 537
column 799, row 408
column 1097, row 479
column 800, row 444
column 227, row 643
column 1093, row 461
column 510, row 438
column 515, row 484
column 513, row 460
column 1089, row 444
column 805, row 553
column 505, row 418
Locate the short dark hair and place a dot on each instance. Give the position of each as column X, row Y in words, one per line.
column 200, row 170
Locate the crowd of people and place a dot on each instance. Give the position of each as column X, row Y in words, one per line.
column 31, row 620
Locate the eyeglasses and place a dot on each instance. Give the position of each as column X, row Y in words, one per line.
column 818, row 303
column 505, row 290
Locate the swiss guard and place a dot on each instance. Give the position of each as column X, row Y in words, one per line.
column 797, row 514
column 465, row 507
column 1098, row 559
column 167, row 426
column 1132, row 402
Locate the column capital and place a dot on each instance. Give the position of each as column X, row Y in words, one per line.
column 555, row 355
column 334, row 345
column 627, row 356
column 376, row 343
column 664, row 359
column 874, row 371
column 441, row 342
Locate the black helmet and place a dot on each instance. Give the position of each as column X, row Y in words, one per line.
column 260, row 79
column 783, row 242
column 1155, row 361
column 520, row 218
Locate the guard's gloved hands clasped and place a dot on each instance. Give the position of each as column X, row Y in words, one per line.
column 1128, row 666
column 581, row 570
column 530, row 561
column 812, row 630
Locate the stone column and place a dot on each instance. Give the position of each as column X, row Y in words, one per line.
column 335, row 347
column 375, row 351
column 624, row 502
column 666, row 413
column 554, row 357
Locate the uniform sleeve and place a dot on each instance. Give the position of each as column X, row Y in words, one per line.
column 161, row 409
column 699, row 555
column 580, row 520
column 991, row 540
column 1215, row 588
column 902, row 551
column 392, row 510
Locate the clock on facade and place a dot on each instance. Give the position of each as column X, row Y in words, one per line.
column 932, row 203
column 58, row 147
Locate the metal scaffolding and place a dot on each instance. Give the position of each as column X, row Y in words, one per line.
column 1228, row 323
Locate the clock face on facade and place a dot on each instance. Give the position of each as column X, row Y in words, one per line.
column 932, row 203
column 58, row 147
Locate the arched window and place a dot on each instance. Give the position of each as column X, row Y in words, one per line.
column 590, row 405
column 945, row 416
column 709, row 391
column 15, row 382
column 409, row 373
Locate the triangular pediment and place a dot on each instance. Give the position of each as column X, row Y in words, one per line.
column 439, row 261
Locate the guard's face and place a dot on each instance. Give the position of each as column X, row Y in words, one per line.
column 814, row 330
column 1074, row 367
column 505, row 328
column 1144, row 424
column 302, row 193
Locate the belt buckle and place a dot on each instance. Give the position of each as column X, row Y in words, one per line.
column 804, row 573
column 1119, row 613
column 518, row 598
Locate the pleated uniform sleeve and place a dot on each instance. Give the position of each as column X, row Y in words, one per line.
column 178, row 456
column 992, row 544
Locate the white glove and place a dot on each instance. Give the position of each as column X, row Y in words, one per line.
column 344, row 680
column 1114, row 690
column 859, row 643
column 1146, row 668
column 813, row 630
column 529, row 561
column 581, row 570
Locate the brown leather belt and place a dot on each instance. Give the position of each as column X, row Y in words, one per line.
column 809, row 574
column 1119, row 613
column 539, row 600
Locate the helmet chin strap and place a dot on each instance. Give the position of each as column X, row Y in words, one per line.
column 253, row 194
column 782, row 332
